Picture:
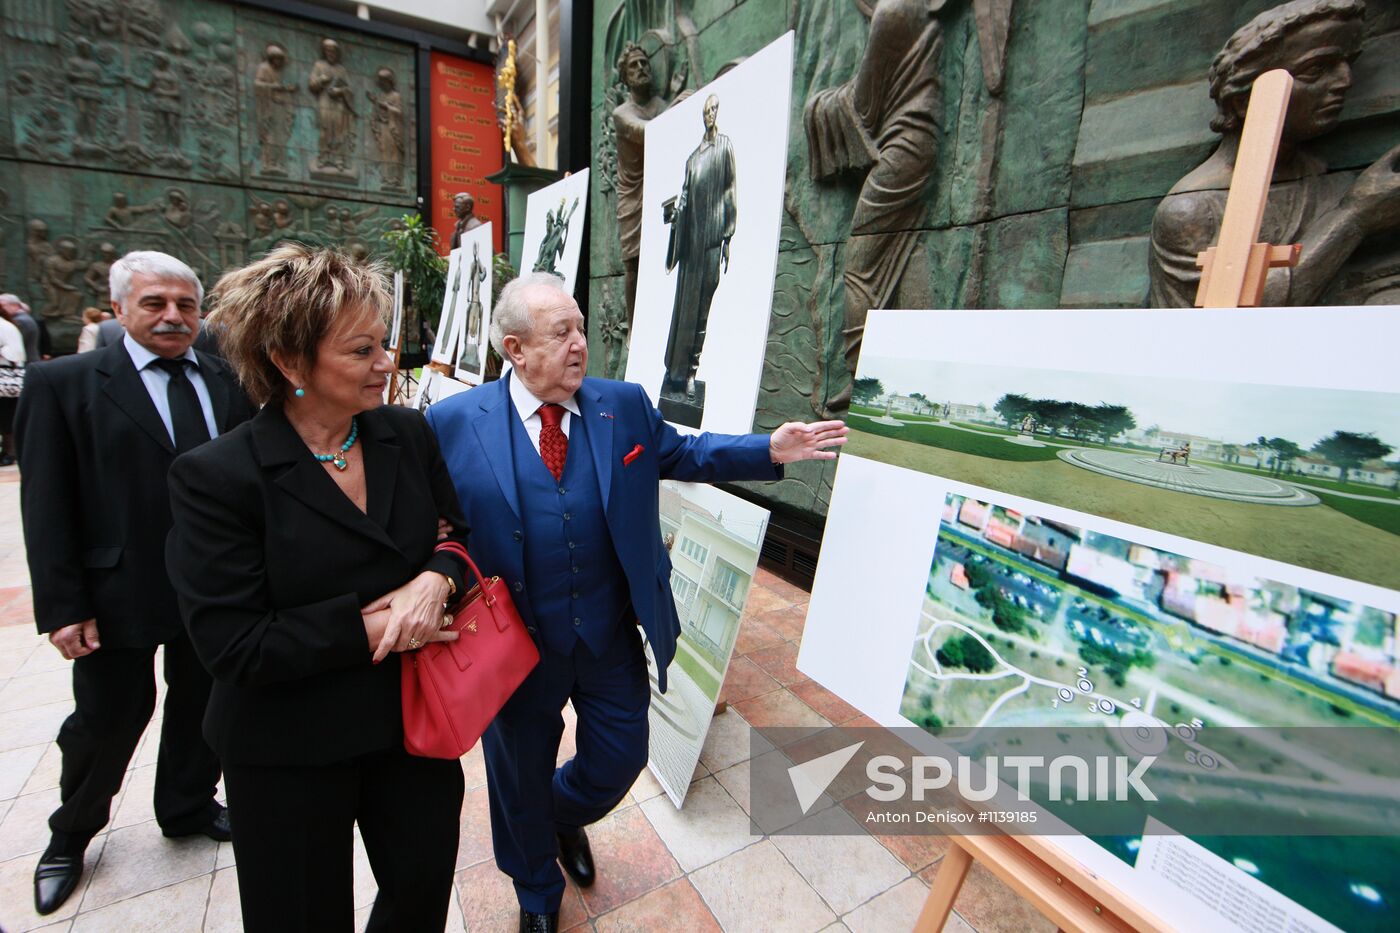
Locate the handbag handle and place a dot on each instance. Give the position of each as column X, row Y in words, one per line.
column 456, row 549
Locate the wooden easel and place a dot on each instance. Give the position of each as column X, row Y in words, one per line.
column 1233, row 274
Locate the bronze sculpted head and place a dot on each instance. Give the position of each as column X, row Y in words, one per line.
column 330, row 51
column 1315, row 40
column 385, row 77
column 634, row 67
column 275, row 55
column 711, row 113
column 463, row 205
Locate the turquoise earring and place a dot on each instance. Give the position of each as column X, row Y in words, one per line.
column 300, row 393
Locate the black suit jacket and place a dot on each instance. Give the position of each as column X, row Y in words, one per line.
column 94, row 455
column 273, row 562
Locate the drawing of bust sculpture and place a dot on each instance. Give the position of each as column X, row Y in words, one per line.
column 702, row 219
column 471, row 341
column 1346, row 225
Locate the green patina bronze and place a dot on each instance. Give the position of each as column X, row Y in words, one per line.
column 202, row 129
column 1052, row 149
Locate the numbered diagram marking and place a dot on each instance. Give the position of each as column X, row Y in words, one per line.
column 1144, row 734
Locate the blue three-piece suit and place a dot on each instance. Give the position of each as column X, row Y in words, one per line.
column 586, row 566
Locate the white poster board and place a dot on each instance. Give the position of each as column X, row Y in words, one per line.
column 396, row 318
column 941, row 474
column 449, row 326
column 753, row 115
column 466, row 306
column 474, row 306
column 554, row 220
column 714, row 539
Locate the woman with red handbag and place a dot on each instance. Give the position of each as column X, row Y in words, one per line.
column 304, row 552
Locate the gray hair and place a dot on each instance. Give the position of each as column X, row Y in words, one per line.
column 10, row 299
column 512, row 314
column 156, row 265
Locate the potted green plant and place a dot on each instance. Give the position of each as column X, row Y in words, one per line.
column 413, row 250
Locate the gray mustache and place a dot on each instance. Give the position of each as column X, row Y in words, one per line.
column 172, row 329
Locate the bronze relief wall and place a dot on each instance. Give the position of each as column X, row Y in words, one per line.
column 987, row 154
column 197, row 128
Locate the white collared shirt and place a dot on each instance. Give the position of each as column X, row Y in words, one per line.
column 528, row 408
column 157, row 383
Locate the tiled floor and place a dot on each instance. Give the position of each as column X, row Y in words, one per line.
column 695, row 869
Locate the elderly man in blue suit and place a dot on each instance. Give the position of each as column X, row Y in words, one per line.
column 558, row 477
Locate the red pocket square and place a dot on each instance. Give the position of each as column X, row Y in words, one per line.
column 632, row 454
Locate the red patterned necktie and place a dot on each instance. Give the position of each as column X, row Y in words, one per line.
column 554, row 446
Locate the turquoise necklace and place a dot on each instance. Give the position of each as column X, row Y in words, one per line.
column 337, row 459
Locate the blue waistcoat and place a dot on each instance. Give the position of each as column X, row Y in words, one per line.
column 576, row 585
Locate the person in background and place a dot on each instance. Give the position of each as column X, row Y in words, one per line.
column 97, row 433
column 17, row 312
column 87, row 337
column 559, row 476
column 304, row 554
column 109, row 331
column 12, row 360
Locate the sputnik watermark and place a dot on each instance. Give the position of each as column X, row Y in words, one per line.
column 1106, row 781
column 1113, row 778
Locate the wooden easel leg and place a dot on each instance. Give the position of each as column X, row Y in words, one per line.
column 946, row 884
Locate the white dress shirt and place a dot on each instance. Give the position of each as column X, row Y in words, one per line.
column 528, row 408
column 157, row 383
column 12, row 348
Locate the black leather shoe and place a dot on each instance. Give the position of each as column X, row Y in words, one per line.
column 538, row 923
column 217, row 829
column 55, row 879
column 575, row 855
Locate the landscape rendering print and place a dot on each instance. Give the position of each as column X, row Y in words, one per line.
column 1303, row 475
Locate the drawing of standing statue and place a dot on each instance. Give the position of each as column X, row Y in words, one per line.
column 556, row 234
column 702, row 219
column 335, row 114
column 471, row 349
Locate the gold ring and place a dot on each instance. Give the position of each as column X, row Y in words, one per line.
column 414, row 643
column 447, row 620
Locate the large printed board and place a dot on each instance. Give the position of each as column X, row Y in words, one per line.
column 712, row 203
column 554, row 228
column 1182, row 518
column 714, row 539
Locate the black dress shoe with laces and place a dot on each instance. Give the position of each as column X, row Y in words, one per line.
column 575, row 855
column 55, row 879
column 538, row 923
column 217, row 828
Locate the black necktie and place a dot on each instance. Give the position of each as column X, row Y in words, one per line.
column 186, row 414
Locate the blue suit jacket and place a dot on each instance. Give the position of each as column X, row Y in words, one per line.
column 473, row 430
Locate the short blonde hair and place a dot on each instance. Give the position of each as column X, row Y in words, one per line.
column 286, row 303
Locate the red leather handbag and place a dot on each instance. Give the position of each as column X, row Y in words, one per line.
column 453, row 689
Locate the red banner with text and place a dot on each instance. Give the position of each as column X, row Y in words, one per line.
column 467, row 145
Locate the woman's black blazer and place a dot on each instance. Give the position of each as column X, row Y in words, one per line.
column 272, row 562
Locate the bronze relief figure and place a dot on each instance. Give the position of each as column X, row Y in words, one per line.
column 1317, row 41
